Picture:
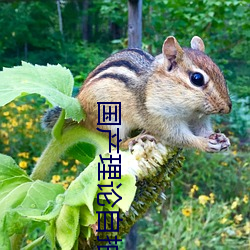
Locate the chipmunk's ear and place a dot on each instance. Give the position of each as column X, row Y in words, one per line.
column 171, row 49
column 197, row 43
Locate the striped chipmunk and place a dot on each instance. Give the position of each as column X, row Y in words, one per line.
column 169, row 97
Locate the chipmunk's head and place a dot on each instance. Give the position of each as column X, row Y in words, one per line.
column 198, row 77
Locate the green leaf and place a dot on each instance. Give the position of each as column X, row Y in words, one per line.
column 83, row 152
column 86, row 218
column 6, row 186
column 83, row 189
column 67, row 226
column 53, row 82
column 9, row 168
column 126, row 191
column 39, row 194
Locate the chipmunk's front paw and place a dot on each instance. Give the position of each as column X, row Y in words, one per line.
column 217, row 142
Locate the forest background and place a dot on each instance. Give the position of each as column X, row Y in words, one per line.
column 208, row 203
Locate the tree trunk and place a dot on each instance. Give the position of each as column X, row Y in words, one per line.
column 135, row 23
column 85, row 21
column 59, row 16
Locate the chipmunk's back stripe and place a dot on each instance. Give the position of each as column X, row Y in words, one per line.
column 142, row 53
column 118, row 63
column 118, row 77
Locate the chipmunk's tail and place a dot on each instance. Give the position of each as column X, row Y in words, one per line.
column 50, row 117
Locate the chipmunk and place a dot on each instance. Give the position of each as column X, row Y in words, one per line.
column 169, row 97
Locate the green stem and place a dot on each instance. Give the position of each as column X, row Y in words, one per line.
column 57, row 147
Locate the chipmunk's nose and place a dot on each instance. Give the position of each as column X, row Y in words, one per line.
column 227, row 108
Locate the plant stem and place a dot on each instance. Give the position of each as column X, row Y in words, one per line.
column 56, row 147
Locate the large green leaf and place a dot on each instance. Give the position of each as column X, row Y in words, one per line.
column 20, row 197
column 67, row 226
column 53, row 82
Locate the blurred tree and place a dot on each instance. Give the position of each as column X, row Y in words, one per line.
column 134, row 23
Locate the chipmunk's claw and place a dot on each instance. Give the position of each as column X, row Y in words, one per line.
column 218, row 142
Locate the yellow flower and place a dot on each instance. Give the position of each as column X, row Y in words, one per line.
column 203, row 199
column 24, row 154
column 183, row 248
column 12, row 105
column 234, row 152
column 197, row 242
column 211, row 195
column 245, row 199
column 55, row 178
column 187, row 211
column 14, row 123
column 6, row 113
column 223, row 235
column 70, row 178
column 77, row 162
column 29, row 124
column 224, row 164
column 247, row 227
column 238, row 233
column 238, row 218
column 235, row 203
column 23, row 164
column 4, row 134
column 193, row 190
column 65, row 163
column 35, row 159
column 73, row 168
column 223, row 220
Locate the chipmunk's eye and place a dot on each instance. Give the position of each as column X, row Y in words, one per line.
column 197, row 79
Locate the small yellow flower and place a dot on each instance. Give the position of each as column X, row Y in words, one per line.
column 238, row 218
column 193, row 190
column 73, row 168
column 35, row 159
column 223, row 220
column 211, row 195
column 24, row 154
column 77, row 162
column 224, row 164
column 12, row 105
column 245, row 199
column 65, row 163
column 187, row 211
column 197, row 242
column 55, row 178
column 235, row 203
column 65, row 185
column 247, row 227
column 70, row 178
column 29, row 124
column 14, row 123
column 203, row 199
column 4, row 134
column 183, row 248
column 23, row 164
column 234, row 152
column 223, row 235
column 238, row 233
column 6, row 113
